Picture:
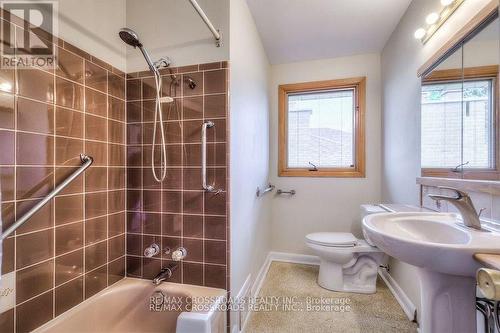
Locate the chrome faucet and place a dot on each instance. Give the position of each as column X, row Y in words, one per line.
column 463, row 203
column 165, row 274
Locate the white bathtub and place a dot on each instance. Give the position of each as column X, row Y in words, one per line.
column 127, row 306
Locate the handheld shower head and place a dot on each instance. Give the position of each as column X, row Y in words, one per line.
column 130, row 37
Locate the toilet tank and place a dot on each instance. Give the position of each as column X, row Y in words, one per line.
column 368, row 210
column 371, row 209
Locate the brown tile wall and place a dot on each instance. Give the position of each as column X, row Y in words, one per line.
column 75, row 246
column 97, row 228
column 178, row 212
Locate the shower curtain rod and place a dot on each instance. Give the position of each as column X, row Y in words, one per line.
column 215, row 32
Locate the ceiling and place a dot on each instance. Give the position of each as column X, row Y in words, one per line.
column 298, row 30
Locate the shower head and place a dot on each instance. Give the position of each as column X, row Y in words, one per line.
column 130, row 37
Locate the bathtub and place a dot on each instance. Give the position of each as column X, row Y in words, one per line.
column 136, row 305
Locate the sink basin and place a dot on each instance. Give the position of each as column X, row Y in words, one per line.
column 442, row 248
column 435, row 241
column 425, row 230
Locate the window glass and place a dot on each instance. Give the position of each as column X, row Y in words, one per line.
column 458, row 129
column 321, row 129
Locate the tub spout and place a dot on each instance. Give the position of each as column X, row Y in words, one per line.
column 165, row 274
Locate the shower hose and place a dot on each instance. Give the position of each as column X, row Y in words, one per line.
column 159, row 117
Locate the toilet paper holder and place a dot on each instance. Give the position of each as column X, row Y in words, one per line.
column 281, row 192
column 488, row 281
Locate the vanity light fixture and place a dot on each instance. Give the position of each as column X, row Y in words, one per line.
column 436, row 20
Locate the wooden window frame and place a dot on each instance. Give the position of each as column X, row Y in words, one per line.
column 359, row 86
column 470, row 73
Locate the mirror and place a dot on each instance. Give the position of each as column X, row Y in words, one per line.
column 460, row 110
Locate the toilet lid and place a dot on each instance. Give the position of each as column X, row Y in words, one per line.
column 344, row 239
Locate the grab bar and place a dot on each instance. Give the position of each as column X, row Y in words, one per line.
column 215, row 32
column 207, row 124
column 268, row 189
column 87, row 162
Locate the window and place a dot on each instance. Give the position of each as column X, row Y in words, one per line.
column 458, row 123
column 322, row 129
column 444, row 131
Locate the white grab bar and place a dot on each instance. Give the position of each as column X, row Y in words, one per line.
column 87, row 162
column 207, row 124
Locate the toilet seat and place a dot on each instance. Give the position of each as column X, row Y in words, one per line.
column 332, row 239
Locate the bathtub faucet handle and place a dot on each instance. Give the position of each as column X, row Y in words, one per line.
column 179, row 254
column 152, row 250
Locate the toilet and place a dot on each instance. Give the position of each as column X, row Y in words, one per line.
column 347, row 264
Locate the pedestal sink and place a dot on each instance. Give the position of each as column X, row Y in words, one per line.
column 442, row 249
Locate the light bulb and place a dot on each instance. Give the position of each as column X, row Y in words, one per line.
column 432, row 18
column 446, row 2
column 420, row 33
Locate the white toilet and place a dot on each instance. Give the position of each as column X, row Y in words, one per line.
column 347, row 264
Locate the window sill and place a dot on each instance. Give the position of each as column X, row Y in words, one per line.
column 468, row 174
column 346, row 173
column 482, row 186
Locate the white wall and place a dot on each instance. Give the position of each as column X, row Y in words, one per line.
column 325, row 204
column 401, row 58
column 173, row 28
column 93, row 26
column 249, row 155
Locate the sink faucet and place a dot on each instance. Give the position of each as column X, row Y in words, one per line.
column 463, row 203
column 165, row 274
